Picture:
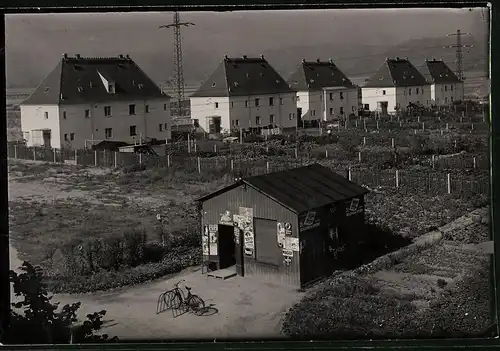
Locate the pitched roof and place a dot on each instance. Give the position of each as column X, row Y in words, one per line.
column 242, row 77
column 396, row 73
column 301, row 189
column 78, row 80
column 438, row 72
column 317, row 75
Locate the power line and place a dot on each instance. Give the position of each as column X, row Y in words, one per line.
column 178, row 69
column 459, row 54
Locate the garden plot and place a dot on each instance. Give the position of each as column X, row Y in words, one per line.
column 441, row 291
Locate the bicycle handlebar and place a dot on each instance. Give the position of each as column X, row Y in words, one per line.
column 177, row 284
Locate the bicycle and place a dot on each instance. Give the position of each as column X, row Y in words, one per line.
column 177, row 299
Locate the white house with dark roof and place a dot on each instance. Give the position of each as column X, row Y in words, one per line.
column 323, row 91
column 87, row 100
column 445, row 85
column 241, row 94
column 395, row 85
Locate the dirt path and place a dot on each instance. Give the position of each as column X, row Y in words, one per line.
column 245, row 308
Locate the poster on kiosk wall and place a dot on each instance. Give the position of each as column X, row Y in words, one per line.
column 246, row 218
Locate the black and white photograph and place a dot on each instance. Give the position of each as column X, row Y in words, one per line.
column 249, row 175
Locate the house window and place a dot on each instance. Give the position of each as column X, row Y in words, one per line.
column 133, row 130
column 298, row 98
column 383, row 92
column 72, row 136
column 290, row 116
column 313, row 113
column 451, row 87
column 367, row 106
column 331, row 96
column 409, row 91
column 281, row 101
column 341, row 96
column 257, row 102
column 331, row 110
column 236, row 122
column 108, row 133
column 341, row 110
column 446, row 99
column 232, row 104
column 422, row 91
column 416, row 91
column 111, row 88
column 107, row 111
column 66, row 137
column 216, row 105
column 353, row 108
column 64, row 115
column 160, row 127
column 451, row 98
column 131, row 109
column 146, row 108
column 257, row 120
column 246, row 103
column 266, row 249
column 445, row 88
column 87, row 113
column 164, row 107
column 320, row 97
column 166, row 126
column 46, row 115
column 271, row 101
column 271, row 119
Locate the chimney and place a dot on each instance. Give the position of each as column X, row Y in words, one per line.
column 261, row 56
column 318, row 60
column 304, row 60
column 225, row 57
column 127, row 56
column 330, row 61
column 65, row 55
column 397, row 58
column 121, row 56
column 244, row 57
column 78, row 56
column 406, row 58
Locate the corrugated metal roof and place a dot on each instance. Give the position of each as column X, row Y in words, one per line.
column 301, row 189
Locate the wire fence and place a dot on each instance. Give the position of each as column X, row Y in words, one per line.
column 430, row 181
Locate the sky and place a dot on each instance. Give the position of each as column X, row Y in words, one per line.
column 35, row 42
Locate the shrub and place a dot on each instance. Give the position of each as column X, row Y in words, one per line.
column 40, row 323
column 441, row 283
column 137, row 167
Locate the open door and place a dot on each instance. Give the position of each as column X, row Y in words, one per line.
column 238, row 254
column 46, row 138
column 226, row 246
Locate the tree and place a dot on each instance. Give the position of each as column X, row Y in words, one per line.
column 40, row 321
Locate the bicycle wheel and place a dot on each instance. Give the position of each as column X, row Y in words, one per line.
column 196, row 304
column 173, row 300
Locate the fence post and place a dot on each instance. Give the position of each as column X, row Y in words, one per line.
column 441, row 132
column 215, row 148
column 140, row 158
column 359, row 156
column 448, row 182
column 168, row 160
column 364, row 141
column 232, row 165
column 267, row 166
column 34, row 153
column 296, row 153
column 326, row 153
column 377, row 124
column 433, row 159
column 349, row 173
column 392, row 142
column 95, row 158
column 267, row 150
column 472, row 126
column 415, row 131
column 418, row 119
column 397, row 178
column 423, row 125
column 15, row 151
column 356, row 123
column 474, row 162
column 199, row 165
column 455, row 143
column 400, row 123
column 364, row 124
column 447, row 126
column 76, row 157
column 116, row 159
column 55, row 158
